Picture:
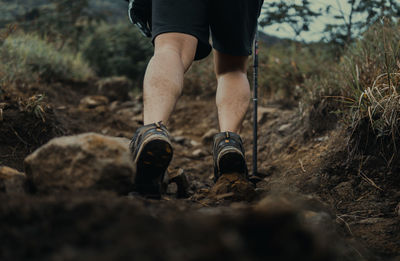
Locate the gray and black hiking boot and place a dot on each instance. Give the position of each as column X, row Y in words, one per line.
column 152, row 152
column 229, row 155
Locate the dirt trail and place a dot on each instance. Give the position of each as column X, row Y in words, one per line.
column 352, row 213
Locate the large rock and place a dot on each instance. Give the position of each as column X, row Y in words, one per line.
column 115, row 88
column 12, row 181
column 86, row 161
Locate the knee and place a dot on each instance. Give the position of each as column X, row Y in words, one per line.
column 182, row 47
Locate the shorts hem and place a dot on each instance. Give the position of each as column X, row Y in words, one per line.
column 233, row 53
column 203, row 48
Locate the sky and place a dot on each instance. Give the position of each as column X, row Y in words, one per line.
column 317, row 26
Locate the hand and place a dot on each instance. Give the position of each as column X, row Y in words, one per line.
column 140, row 15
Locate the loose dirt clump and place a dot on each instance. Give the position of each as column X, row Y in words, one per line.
column 26, row 123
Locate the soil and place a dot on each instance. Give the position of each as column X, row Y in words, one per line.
column 314, row 201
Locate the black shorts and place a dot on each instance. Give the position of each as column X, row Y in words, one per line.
column 232, row 23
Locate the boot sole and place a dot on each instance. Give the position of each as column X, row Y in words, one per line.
column 232, row 160
column 151, row 164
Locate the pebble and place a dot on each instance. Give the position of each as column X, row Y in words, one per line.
column 199, row 153
column 209, row 136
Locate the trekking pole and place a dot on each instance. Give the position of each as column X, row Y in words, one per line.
column 255, row 102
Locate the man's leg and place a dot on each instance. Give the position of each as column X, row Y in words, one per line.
column 163, row 82
column 151, row 146
column 233, row 93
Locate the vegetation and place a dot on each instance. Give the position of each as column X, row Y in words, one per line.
column 284, row 69
column 297, row 15
column 67, row 41
column 57, row 39
column 29, row 58
column 367, row 81
column 117, row 50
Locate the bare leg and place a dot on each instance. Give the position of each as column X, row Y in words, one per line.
column 233, row 93
column 163, row 82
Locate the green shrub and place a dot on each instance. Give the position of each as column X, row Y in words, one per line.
column 117, row 50
column 27, row 58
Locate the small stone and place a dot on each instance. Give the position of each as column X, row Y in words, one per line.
column 115, row 105
column 12, row 181
column 397, row 211
column 199, row 153
column 172, row 189
column 179, row 139
column 264, row 113
column 322, row 139
column 137, row 119
column 181, row 182
column 209, row 136
column 91, row 102
column 320, row 219
column 126, row 113
column 194, row 143
column 282, row 129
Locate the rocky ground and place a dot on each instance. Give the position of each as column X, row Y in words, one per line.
column 72, row 198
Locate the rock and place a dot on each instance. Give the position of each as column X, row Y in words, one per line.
column 322, row 139
column 12, row 181
column 284, row 128
column 273, row 203
column 134, row 105
column 84, row 162
column 90, row 102
column 318, row 219
column 115, row 88
column 115, row 105
column 182, row 184
column 199, row 153
column 128, row 114
column 138, row 119
column 172, row 189
column 194, row 143
column 209, row 136
column 179, row 139
column 264, row 113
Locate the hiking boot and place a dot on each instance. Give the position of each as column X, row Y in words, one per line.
column 152, row 152
column 228, row 155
